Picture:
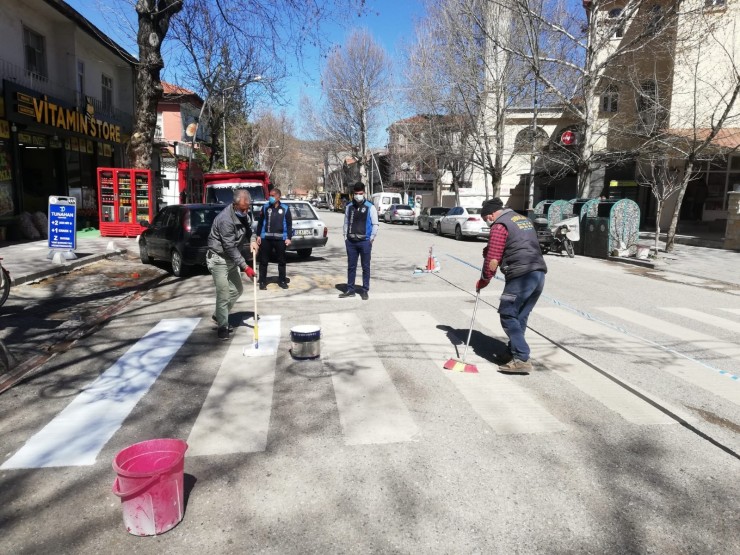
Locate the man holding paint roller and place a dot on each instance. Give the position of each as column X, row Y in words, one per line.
column 227, row 244
column 513, row 247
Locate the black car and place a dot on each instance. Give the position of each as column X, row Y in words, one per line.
column 179, row 235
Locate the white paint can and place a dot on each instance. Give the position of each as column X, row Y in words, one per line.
column 306, row 342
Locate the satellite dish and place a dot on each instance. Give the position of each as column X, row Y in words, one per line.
column 191, row 129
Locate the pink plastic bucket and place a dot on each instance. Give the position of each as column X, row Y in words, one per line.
column 150, row 485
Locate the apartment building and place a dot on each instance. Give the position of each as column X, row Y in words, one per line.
column 66, row 106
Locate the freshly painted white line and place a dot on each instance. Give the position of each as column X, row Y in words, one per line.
column 78, row 433
column 503, row 404
column 578, row 374
column 268, row 335
column 603, row 339
column 235, row 416
column 697, row 339
column 711, row 319
column 370, row 409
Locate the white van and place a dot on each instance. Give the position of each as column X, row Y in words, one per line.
column 383, row 201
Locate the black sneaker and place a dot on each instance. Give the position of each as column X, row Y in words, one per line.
column 216, row 323
column 263, row 286
column 283, row 285
column 224, row 333
column 363, row 295
column 347, row 294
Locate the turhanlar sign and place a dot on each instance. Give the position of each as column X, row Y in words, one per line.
column 62, row 223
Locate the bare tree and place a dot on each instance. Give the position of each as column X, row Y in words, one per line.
column 355, row 84
column 665, row 181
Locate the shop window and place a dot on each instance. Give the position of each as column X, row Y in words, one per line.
column 107, row 93
column 610, row 99
column 34, row 46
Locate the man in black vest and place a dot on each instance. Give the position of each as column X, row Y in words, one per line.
column 274, row 230
column 513, row 247
column 360, row 228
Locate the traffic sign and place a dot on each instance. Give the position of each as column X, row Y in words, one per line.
column 62, row 223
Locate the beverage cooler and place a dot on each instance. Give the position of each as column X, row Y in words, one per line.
column 126, row 197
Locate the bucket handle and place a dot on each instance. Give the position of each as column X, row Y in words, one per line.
column 138, row 489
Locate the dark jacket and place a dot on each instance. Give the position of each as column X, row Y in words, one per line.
column 522, row 253
column 230, row 235
column 275, row 222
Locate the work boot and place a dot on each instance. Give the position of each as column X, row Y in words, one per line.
column 224, row 333
column 363, row 295
column 283, row 285
column 515, row 366
column 350, row 293
column 216, row 322
column 263, row 286
column 503, row 358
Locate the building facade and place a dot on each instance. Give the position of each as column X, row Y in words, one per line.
column 66, row 107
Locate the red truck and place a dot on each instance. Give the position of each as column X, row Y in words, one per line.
column 218, row 187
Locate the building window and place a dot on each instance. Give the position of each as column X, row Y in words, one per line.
column 107, row 93
column 610, row 99
column 528, row 141
column 34, row 46
column 714, row 3
column 617, row 22
column 655, row 19
column 649, row 110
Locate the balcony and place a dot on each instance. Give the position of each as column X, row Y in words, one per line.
column 21, row 76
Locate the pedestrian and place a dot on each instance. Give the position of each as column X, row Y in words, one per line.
column 513, row 247
column 228, row 242
column 360, row 229
column 274, row 230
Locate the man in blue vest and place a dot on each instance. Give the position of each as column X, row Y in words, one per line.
column 360, row 229
column 274, row 230
column 513, row 247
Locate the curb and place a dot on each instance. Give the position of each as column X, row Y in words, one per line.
column 632, row 261
column 64, row 268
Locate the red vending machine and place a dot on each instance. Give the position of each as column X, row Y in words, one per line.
column 126, row 197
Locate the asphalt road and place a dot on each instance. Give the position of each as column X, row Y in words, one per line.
column 625, row 438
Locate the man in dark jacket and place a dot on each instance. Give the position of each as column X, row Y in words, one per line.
column 228, row 243
column 274, row 230
column 513, row 247
column 360, row 229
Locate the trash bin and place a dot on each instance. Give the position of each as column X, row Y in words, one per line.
column 583, row 208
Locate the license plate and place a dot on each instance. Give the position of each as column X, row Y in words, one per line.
column 304, row 231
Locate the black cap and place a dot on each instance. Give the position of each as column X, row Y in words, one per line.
column 359, row 187
column 490, row 206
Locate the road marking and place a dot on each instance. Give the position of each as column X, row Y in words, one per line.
column 605, row 339
column 78, row 433
column 581, row 376
column 235, row 416
column 504, row 405
column 697, row 339
column 370, row 408
column 711, row 319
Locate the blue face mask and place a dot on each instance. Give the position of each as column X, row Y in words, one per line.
column 271, row 200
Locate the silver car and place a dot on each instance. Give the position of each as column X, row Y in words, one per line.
column 463, row 222
column 309, row 231
column 429, row 217
column 399, row 213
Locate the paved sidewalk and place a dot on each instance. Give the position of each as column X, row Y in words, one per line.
column 28, row 261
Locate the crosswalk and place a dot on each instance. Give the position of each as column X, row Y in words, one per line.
column 235, row 415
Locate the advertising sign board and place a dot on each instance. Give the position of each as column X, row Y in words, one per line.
column 62, row 223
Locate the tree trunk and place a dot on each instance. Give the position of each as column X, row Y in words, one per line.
column 671, row 235
column 154, row 21
column 658, row 213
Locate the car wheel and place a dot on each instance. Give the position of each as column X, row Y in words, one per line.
column 421, row 227
column 458, row 234
column 178, row 268
column 304, row 253
column 431, row 228
column 144, row 253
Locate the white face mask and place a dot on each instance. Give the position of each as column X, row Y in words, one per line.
column 359, row 198
column 488, row 222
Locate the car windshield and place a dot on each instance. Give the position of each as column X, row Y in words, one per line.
column 403, row 207
column 204, row 216
column 302, row 211
column 225, row 195
column 439, row 211
column 473, row 210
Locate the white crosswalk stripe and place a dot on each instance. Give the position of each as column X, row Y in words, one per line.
column 505, row 406
column 370, row 408
column 602, row 338
column 80, row 431
column 580, row 375
column 711, row 319
column 236, row 413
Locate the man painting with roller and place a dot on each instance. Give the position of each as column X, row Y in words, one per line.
column 227, row 244
column 513, row 247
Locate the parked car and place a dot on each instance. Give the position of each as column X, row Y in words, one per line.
column 429, row 217
column 179, row 235
column 383, row 202
column 463, row 222
column 399, row 213
column 309, row 231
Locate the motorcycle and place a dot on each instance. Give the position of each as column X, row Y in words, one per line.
column 4, row 283
column 560, row 237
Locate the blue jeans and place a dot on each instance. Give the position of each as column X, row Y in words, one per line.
column 517, row 301
column 355, row 250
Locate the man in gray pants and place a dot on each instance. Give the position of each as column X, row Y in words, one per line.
column 227, row 243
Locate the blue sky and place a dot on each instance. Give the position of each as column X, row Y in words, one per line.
column 389, row 21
